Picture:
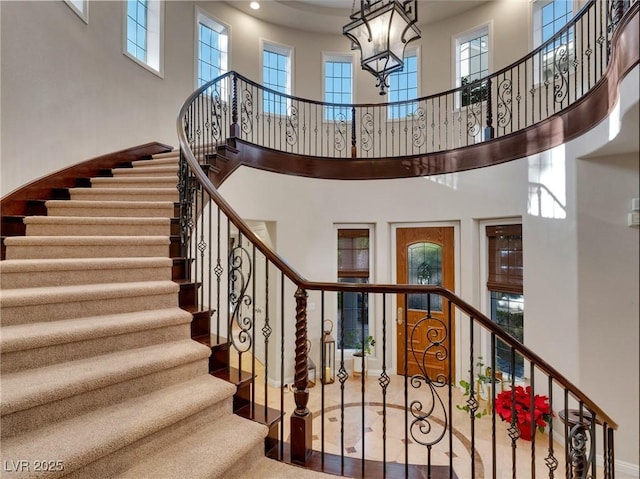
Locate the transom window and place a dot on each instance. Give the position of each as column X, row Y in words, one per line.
column 276, row 75
column 472, row 64
column 338, row 85
column 212, row 48
column 403, row 85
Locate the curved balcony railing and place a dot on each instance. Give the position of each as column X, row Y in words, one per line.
column 252, row 295
column 549, row 80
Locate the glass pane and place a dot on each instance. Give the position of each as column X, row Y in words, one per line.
column 507, row 311
column 353, row 314
column 424, row 266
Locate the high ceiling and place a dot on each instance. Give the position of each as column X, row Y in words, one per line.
column 329, row 16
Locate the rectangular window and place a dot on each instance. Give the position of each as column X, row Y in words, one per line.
column 212, row 48
column 137, row 29
column 504, row 282
column 143, row 41
column 353, row 267
column 338, row 86
column 403, row 85
column 549, row 17
column 472, row 64
column 276, row 75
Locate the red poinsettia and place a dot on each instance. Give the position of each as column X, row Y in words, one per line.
column 540, row 412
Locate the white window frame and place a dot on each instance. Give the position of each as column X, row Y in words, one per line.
column 80, row 8
column 371, row 304
column 478, row 31
column 410, row 51
column 337, row 57
column 281, row 49
column 214, row 24
column 155, row 37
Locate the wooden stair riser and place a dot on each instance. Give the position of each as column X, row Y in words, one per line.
column 200, row 324
column 80, row 308
column 78, row 404
column 72, row 351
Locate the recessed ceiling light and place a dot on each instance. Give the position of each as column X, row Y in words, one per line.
column 254, row 5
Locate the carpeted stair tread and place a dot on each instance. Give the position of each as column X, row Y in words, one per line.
column 208, row 453
column 104, row 220
column 168, row 154
column 163, row 209
column 159, row 170
column 84, row 439
column 144, row 182
column 31, row 247
column 36, row 335
column 64, row 294
column 266, row 468
column 97, row 226
column 162, row 161
column 124, row 194
column 32, row 273
column 30, row 388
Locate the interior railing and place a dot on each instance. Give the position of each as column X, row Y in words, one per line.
column 411, row 413
column 548, row 80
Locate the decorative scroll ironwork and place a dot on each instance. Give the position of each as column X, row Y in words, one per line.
column 367, row 131
column 246, row 115
column 581, row 450
column 425, row 429
column 474, row 119
column 419, row 126
column 561, row 74
column 292, row 125
column 240, row 272
column 340, row 138
column 504, row 102
column 214, row 125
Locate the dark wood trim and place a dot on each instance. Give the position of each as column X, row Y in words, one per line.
column 15, row 203
column 560, row 128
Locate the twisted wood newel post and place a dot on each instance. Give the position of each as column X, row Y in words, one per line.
column 234, row 128
column 301, row 419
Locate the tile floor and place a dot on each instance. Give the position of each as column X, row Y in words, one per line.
column 399, row 427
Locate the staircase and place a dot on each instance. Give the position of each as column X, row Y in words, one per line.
column 100, row 376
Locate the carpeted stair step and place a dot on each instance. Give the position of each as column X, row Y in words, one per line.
column 34, row 305
column 108, row 440
column 93, row 226
column 161, row 170
column 205, row 454
column 36, row 397
column 34, row 247
column 124, row 194
column 168, row 154
column 135, row 182
column 162, row 161
column 34, row 273
column 266, row 468
column 163, row 209
column 35, row 345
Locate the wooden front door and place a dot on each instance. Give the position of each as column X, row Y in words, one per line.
column 425, row 256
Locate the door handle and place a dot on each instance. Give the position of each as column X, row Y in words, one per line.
column 400, row 315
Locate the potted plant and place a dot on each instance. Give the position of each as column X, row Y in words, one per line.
column 362, row 349
column 526, row 411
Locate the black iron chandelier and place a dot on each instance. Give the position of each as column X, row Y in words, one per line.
column 381, row 30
